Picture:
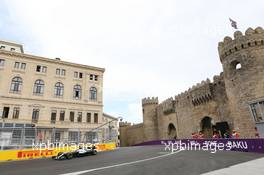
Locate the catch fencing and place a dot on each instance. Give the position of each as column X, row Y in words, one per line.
column 25, row 137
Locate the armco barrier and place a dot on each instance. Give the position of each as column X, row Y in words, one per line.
column 243, row 145
column 7, row 155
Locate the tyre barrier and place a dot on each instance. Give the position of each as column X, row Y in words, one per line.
column 26, row 154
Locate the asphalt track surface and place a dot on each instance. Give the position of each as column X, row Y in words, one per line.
column 147, row 160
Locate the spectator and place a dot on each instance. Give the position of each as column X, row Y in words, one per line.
column 256, row 133
column 216, row 135
column 235, row 134
column 194, row 135
column 226, row 135
column 201, row 135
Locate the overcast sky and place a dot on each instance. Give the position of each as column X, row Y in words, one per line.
column 148, row 47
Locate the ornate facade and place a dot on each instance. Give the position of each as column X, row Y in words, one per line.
column 48, row 93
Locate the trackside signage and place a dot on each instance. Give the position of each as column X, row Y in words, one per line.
column 212, row 145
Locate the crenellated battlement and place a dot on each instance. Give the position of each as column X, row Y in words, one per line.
column 252, row 38
column 202, row 93
column 150, row 100
column 168, row 106
column 181, row 96
column 194, row 87
column 218, row 78
column 199, row 93
column 124, row 124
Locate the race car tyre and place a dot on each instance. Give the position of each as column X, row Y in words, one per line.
column 94, row 152
column 69, row 156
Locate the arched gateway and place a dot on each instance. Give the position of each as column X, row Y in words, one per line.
column 172, row 131
column 207, row 127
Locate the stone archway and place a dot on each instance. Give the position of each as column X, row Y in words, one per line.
column 207, row 127
column 172, row 131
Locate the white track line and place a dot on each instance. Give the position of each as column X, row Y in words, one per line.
column 121, row 164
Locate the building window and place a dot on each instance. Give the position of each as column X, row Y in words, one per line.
column 77, row 92
column 95, row 117
column 91, row 137
column 42, row 69
column 91, row 76
column 59, row 89
column 2, row 47
column 35, row 115
column 23, row 66
column 257, row 110
column 93, row 93
column 5, row 112
column 12, row 49
column 72, row 116
column 75, row 74
column 2, row 62
column 16, row 85
column 17, row 65
column 53, row 117
column 62, row 115
column 60, row 72
column 63, row 72
column 57, row 71
column 16, row 112
column 73, row 136
column 38, row 87
column 80, row 75
column 38, row 68
column 79, row 118
column 88, row 117
column 95, row 77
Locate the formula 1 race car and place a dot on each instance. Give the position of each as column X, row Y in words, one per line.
column 81, row 152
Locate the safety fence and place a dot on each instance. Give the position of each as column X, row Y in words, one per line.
column 25, row 154
column 24, row 137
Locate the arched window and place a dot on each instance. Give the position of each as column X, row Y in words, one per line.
column 77, row 90
column 236, row 65
column 59, row 89
column 16, row 85
column 93, row 93
column 38, row 87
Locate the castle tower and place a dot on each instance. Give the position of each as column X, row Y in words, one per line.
column 150, row 128
column 242, row 59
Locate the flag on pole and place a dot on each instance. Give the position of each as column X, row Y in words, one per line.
column 233, row 23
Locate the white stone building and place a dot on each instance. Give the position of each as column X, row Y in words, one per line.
column 59, row 100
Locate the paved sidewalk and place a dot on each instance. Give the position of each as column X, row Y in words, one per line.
column 253, row 167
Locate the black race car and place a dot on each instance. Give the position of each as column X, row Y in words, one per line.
column 77, row 153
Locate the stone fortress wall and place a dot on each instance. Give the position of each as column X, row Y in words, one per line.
column 224, row 104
